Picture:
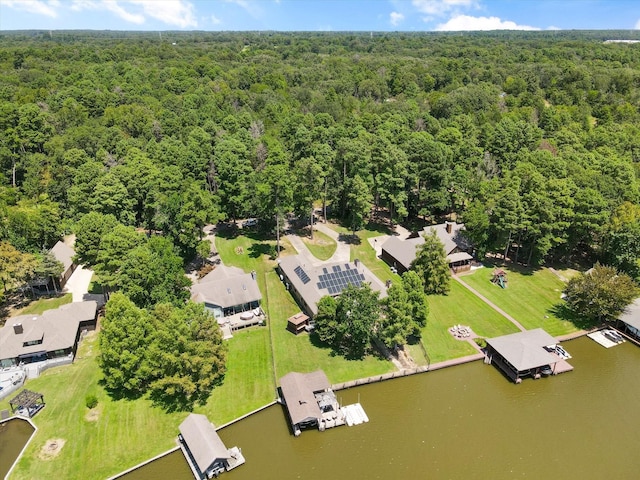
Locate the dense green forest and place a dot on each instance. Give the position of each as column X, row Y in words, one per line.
column 532, row 139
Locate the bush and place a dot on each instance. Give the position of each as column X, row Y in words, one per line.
column 481, row 342
column 91, row 401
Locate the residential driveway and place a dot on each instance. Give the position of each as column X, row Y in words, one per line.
column 78, row 286
column 343, row 251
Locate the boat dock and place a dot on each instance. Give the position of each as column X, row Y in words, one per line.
column 354, row 414
column 599, row 337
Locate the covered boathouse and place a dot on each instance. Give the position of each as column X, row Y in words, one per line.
column 629, row 321
column 528, row 353
column 202, row 447
column 310, row 401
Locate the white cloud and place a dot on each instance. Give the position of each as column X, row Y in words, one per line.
column 439, row 8
column 395, row 18
column 466, row 22
column 38, row 7
column 637, row 27
column 252, row 8
column 172, row 12
column 215, row 20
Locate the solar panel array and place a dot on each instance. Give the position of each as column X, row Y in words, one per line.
column 338, row 279
column 302, row 274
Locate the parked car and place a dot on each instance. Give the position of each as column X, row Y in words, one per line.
column 250, row 222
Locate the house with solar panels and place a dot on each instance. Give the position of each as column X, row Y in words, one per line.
column 309, row 283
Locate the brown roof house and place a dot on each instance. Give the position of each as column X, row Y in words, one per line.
column 309, row 283
column 401, row 253
column 301, row 393
column 206, row 454
column 64, row 254
column 35, row 338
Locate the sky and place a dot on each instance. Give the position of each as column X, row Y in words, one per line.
column 320, row 15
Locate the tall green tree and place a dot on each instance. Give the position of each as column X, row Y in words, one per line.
column 601, row 293
column 431, row 265
column 124, row 340
column 90, row 230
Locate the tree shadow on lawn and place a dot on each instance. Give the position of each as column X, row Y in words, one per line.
column 526, row 271
column 563, row 312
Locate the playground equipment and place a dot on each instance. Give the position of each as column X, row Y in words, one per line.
column 500, row 278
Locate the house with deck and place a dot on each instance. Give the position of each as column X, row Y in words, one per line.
column 400, row 254
column 309, row 283
column 232, row 296
column 204, row 450
column 55, row 334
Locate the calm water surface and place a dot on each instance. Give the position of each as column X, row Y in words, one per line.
column 14, row 434
column 464, row 422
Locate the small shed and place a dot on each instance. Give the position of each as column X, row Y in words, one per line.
column 27, row 403
column 297, row 323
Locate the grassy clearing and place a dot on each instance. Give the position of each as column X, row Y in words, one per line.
column 302, row 353
column 248, row 383
column 531, row 297
column 459, row 307
column 39, row 306
column 95, row 286
column 322, row 246
column 125, row 432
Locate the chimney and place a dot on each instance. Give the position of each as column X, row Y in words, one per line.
column 449, row 227
column 17, row 328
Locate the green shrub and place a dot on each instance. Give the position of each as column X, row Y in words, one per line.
column 91, row 401
column 481, row 342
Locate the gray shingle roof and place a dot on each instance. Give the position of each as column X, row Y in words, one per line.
column 57, row 329
column 309, row 291
column 203, row 441
column 631, row 314
column 404, row 251
column 525, row 350
column 298, row 391
column 226, row 287
column 63, row 253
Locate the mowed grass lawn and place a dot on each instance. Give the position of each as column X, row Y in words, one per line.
column 363, row 251
column 322, row 246
column 128, row 432
column 301, row 353
column 530, row 297
column 38, row 306
column 459, row 307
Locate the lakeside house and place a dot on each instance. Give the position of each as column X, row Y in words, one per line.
column 64, row 254
column 204, row 450
column 629, row 320
column 400, row 254
column 308, row 283
column 55, row 334
column 528, row 353
column 232, row 296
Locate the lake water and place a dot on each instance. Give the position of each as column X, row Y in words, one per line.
column 14, row 434
column 463, row 422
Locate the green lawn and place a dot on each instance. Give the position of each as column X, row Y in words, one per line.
column 462, row 307
column 530, row 297
column 301, row 353
column 38, row 306
column 362, row 250
column 124, row 434
column 248, row 383
column 322, row 246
